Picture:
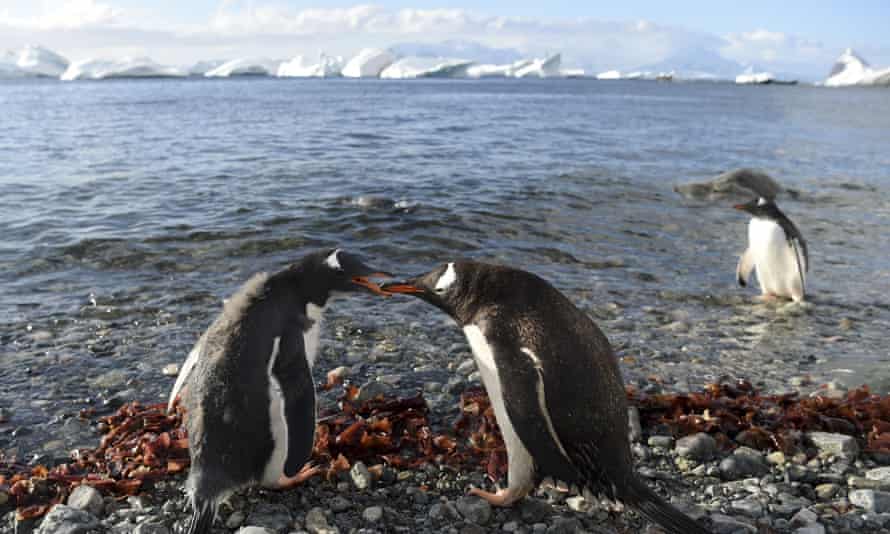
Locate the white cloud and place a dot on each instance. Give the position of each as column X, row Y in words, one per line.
column 778, row 49
column 65, row 15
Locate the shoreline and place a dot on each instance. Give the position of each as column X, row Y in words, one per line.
column 742, row 460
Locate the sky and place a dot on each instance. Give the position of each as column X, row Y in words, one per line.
column 798, row 37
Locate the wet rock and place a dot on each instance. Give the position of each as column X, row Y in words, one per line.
column 871, row 500
column 317, row 523
column 235, row 520
column 276, row 517
column 738, row 183
column 88, row 499
column 340, row 504
column 724, row 524
column 749, row 507
column 660, row 442
column 533, row 510
column 834, row 444
column 804, row 517
column 815, row 528
column 372, row 514
column 373, row 389
column 360, row 476
column 743, row 463
column 880, row 474
column 149, row 527
column 66, row 520
column 255, row 530
column 474, row 509
column 565, row 525
column 171, row 369
column 697, row 446
column 827, row 491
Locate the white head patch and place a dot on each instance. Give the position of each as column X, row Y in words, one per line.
column 447, row 278
column 333, row 261
column 761, row 201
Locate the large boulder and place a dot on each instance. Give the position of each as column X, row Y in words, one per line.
column 741, row 183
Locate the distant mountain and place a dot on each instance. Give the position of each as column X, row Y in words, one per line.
column 458, row 49
column 697, row 64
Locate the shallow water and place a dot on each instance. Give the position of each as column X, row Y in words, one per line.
column 129, row 209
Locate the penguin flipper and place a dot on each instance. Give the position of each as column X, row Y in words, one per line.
column 186, row 371
column 293, row 373
column 743, row 270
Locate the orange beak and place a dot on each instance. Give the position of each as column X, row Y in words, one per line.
column 401, row 288
column 375, row 288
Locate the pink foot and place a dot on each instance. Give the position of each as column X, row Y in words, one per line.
column 502, row 497
column 308, row 471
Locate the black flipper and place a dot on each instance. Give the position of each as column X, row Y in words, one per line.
column 295, row 377
column 203, row 513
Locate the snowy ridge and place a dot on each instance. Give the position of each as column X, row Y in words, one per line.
column 369, row 63
column 302, row 67
column 426, row 67
column 32, row 61
column 850, row 69
column 104, row 69
column 245, row 67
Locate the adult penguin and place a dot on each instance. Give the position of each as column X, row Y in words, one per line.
column 553, row 381
column 776, row 249
column 249, row 395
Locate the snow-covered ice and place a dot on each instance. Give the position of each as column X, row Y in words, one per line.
column 32, row 61
column 368, row 63
column 103, row 69
column 204, row 66
column 609, row 75
column 497, row 71
column 749, row 77
column 302, row 67
column 245, row 67
column 850, row 69
column 427, row 67
column 540, row 68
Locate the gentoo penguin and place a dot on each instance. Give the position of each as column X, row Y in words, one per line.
column 776, row 249
column 249, row 392
column 553, row 381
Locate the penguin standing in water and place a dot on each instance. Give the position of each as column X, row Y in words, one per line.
column 553, row 381
column 776, row 249
column 247, row 384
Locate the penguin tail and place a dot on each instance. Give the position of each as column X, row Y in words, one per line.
column 651, row 506
column 203, row 514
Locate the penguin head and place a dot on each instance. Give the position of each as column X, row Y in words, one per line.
column 335, row 271
column 759, row 207
column 460, row 288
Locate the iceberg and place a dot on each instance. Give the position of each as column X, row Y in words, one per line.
column 609, row 75
column 32, row 61
column 302, row 67
column 368, row 63
column 426, row 67
column 244, row 67
column 540, row 68
column 749, row 77
column 103, row 69
column 203, row 67
column 850, row 69
column 572, row 73
column 497, row 71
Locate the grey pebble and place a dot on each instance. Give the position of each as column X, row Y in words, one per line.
column 699, row 446
column 372, row 514
column 88, row 499
column 63, row 519
column 474, row 509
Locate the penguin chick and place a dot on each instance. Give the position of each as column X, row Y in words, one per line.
column 553, row 381
column 250, row 397
column 776, row 249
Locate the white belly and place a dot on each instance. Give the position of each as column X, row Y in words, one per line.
column 275, row 466
column 519, row 462
column 310, row 337
column 774, row 259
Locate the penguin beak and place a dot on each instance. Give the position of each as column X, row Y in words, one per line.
column 405, row 287
column 366, row 282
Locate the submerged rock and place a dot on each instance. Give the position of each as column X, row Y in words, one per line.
column 738, row 183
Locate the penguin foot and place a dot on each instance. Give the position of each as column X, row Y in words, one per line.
column 308, row 471
column 502, row 497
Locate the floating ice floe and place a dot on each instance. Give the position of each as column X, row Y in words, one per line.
column 850, row 69
column 302, row 67
column 32, row 61
column 540, row 68
column 368, row 63
column 427, row 67
column 609, row 75
column 103, row 69
column 245, row 67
